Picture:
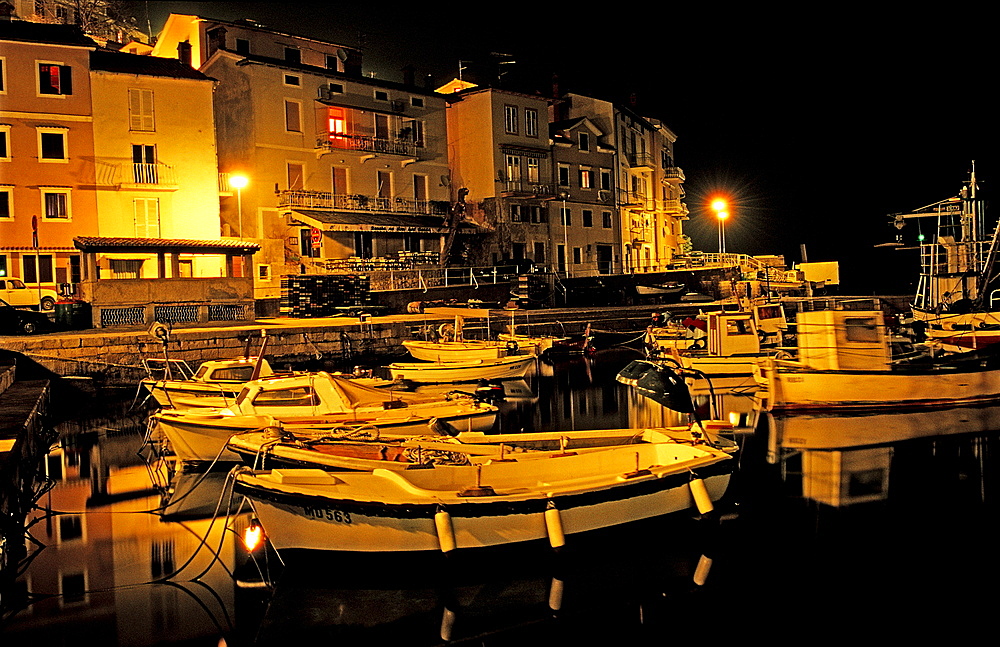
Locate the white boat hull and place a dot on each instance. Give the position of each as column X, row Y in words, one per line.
column 384, row 511
column 792, row 387
column 447, row 372
column 456, row 351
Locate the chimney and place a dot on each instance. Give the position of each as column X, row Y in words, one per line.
column 184, row 53
column 409, row 76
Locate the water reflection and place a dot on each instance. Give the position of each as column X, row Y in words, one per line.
column 829, row 515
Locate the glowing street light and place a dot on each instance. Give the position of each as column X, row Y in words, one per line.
column 719, row 206
column 239, row 182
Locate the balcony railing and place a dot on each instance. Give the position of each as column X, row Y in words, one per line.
column 301, row 199
column 631, row 198
column 116, row 173
column 369, row 144
column 673, row 174
column 529, row 188
column 641, row 160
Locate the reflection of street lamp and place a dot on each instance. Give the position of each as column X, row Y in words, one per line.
column 565, row 218
column 239, row 182
column 719, row 206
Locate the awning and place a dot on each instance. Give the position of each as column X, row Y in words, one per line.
column 171, row 245
column 373, row 222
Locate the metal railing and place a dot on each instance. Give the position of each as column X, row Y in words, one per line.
column 533, row 188
column 117, row 173
column 366, row 143
column 302, row 199
column 427, row 278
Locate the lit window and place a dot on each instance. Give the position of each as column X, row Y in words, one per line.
column 336, row 125
column 586, row 177
column 55, row 79
column 532, row 170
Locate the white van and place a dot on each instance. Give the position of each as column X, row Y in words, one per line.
column 19, row 295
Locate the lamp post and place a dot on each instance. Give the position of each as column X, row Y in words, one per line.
column 719, row 206
column 239, row 182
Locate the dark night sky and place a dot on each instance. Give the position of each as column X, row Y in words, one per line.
column 818, row 127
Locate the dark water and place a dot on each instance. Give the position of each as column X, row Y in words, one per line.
column 828, row 532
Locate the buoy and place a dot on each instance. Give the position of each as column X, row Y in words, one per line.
column 701, row 572
column 556, row 594
column 445, row 531
column 553, row 525
column 700, row 494
column 447, row 623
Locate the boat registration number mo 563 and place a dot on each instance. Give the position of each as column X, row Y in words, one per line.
column 328, row 514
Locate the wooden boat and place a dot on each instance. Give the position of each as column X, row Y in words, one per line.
column 459, row 351
column 504, row 368
column 280, row 448
column 318, row 403
column 495, row 503
column 216, row 383
column 844, row 361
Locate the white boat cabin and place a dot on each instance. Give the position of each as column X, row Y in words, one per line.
column 835, row 340
column 231, row 370
column 732, row 334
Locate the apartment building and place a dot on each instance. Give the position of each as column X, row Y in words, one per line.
column 499, row 151
column 647, row 183
column 338, row 166
column 47, row 175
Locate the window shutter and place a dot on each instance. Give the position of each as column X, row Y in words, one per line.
column 66, row 80
column 141, row 110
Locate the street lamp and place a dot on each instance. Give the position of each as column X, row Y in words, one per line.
column 239, row 182
column 719, row 206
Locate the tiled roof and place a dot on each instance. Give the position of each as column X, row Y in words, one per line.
column 147, row 65
column 36, row 32
column 153, row 244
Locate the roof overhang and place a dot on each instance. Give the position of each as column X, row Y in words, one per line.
column 371, row 222
column 157, row 245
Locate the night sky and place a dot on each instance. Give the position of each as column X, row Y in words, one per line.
column 818, row 123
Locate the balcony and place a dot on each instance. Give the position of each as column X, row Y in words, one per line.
column 301, row 199
column 632, row 198
column 367, row 144
column 517, row 187
column 129, row 175
column 673, row 175
column 641, row 160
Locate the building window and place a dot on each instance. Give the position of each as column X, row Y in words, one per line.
column 242, row 46
column 39, row 271
column 384, row 186
column 56, row 203
column 332, row 62
column 126, row 268
column 295, row 176
column 336, row 88
column 510, row 119
column 293, row 116
column 140, row 110
column 420, row 188
column 412, row 131
column 147, row 217
column 52, row 145
column 292, row 80
column 3, row 75
column 586, row 177
column 55, row 79
column 6, row 203
column 381, row 95
column 585, row 141
column 532, row 170
column 577, row 256
column 381, row 126
column 339, row 181
column 264, row 272
column 144, row 168
column 4, row 142
column 516, row 214
column 564, row 175
column 588, row 218
column 539, row 215
column 417, row 102
column 605, row 179
column 539, row 252
column 293, row 55
column 606, row 219
column 513, row 169
column 566, row 217
column 531, row 122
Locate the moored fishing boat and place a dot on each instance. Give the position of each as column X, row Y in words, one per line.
column 844, row 361
column 505, row 368
column 322, row 404
column 496, row 503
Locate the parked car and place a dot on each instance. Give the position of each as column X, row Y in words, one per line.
column 21, row 320
column 17, row 294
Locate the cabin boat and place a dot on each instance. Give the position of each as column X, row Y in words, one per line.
column 496, row 503
column 319, row 403
column 216, row 383
column 504, row 368
column 957, row 301
column 280, row 448
column 844, row 361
